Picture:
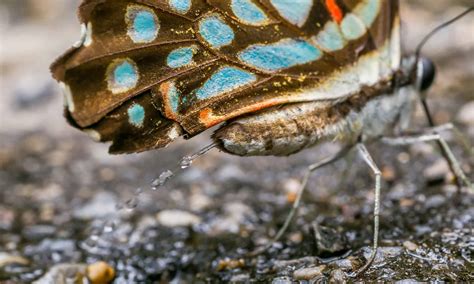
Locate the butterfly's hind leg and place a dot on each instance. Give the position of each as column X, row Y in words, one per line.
column 433, row 135
column 296, row 203
column 378, row 178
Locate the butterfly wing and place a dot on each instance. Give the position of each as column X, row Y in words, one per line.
column 148, row 71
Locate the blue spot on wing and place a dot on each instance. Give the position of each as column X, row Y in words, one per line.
column 216, row 32
column 122, row 75
column 281, row 55
column 367, row 11
column 225, row 80
column 248, row 12
column 180, row 6
column 136, row 115
column 352, row 27
column 294, row 11
column 180, row 57
column 330, row 38
column 143, row 24
column 173, row 97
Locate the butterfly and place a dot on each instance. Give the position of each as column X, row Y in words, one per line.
column 278, row 76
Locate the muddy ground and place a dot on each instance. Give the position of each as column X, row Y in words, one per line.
column 63, row 199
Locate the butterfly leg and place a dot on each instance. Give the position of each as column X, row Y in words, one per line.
column 378, row 177
column 436, row 137
column 296, row 203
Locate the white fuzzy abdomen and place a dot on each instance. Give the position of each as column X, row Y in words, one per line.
column 289, row 129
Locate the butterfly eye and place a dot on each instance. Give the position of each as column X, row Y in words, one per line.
column 426, row 73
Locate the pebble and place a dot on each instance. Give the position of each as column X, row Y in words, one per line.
column 38, row 232
column 291, row 187
column 309, row 272
column 328, row 240
column 101, row 206
column 437, row 171
column 466, row 114
column 100, row 273
column 229, row 264
column 383, row 253
column 64, row 274
column 345, row 263
column 435, row 201
column 7, row 218
column 177, row 218
column 408, row 281
column 282, row 280
column 337, row 276
column 240, row 278
column 10, row 259
column 235, row 215
column 410, row 245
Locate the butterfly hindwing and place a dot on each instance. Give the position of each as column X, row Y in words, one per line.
column 186, row 65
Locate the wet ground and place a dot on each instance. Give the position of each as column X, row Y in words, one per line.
column 63, row 199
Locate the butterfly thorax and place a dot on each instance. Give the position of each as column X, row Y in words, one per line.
column 373, row 112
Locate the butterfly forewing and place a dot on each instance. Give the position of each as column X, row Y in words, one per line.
column 148, row 71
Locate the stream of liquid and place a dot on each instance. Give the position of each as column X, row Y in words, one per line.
column 101, row 233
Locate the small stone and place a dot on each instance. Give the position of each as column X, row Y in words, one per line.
column 466, row 114
column 240, row 278
column 407, row 202
column 199, row 201
column 291, row 187
column 235, row 215
column 38, row 232
column 296, row 237
column 177, row 218
column 7, row 218
column 408, row 281
column 64, row 273
column 100, row 273
column 309, row 272
column 388, row 173
column 435, row 201
column 282, row 280
column 383, row 253
column 101, row 206
column 437, row 171
column 329, row 240
column 229, row 264
column 410, row 246
column 345, row 263
column 337, row 276
column 10, row 259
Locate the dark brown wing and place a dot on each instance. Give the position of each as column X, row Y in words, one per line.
column 148, row 71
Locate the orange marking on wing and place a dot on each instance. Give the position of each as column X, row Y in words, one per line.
column 165, row 89
column 335, row 10
column 207, row 118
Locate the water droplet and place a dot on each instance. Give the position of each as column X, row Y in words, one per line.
column 132, row 203
column 186, row 162
column 92, row 241
column 162, row 179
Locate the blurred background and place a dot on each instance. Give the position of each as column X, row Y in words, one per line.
column 63, row 199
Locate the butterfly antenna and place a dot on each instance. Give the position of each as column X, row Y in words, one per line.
column 424, row 102
column 437, row 29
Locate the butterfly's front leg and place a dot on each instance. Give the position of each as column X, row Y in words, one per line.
column 433, row 135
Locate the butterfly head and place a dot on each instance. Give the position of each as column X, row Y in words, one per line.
column 425, row 74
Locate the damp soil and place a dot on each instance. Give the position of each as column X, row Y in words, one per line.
column 63, row 199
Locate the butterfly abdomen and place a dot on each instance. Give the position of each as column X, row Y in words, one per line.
column 286, row 130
